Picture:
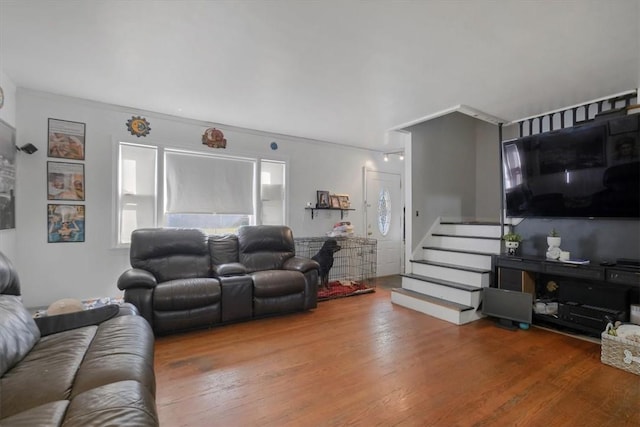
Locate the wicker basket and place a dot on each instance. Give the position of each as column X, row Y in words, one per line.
column 620, row 353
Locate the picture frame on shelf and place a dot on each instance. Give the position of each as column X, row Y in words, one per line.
column 344, row 201
column 322, row 199
column 65, row 223
column 65, row 181
column 335, row 202
column 66, row 139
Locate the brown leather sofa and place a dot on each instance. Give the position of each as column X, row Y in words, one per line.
column 183, row 279
column 91, row 368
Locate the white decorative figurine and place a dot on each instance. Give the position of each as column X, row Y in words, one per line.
column 553, row 240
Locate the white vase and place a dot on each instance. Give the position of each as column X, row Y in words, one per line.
column 511, row 247
column 554, row 241
column 553, row 252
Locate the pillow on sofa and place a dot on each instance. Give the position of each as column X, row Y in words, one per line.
column 18, row 332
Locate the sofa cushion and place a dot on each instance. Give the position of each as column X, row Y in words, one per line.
column 123, row 403
column 170, row 253
column 119, row 351
column 275, row 283
column 18, row 332
column 47, row 373
column 183, row 294
column 47, row 415
column 264, row 247
column 223, row 249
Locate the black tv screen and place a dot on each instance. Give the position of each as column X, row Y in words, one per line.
column 591, row 170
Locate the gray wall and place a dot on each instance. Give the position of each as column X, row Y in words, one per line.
column 487, row 171
column 443, row 162
column 593, row 239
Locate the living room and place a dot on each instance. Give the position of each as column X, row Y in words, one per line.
column 451, row 166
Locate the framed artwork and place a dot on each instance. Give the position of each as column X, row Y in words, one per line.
column 322, row 199
column 66, row 139
column 66, row 223
column 7, row 176
column 344, row 201
column 65, row 181
column 335, row 202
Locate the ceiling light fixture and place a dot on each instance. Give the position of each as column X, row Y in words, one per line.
column 386, row 157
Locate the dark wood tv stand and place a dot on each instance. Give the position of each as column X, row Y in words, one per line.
column 587, row 295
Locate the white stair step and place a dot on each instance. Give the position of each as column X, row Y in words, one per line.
column 454, row 273
column 450, row 291
column 445, row 241
column 451, row 312
column 454, row 256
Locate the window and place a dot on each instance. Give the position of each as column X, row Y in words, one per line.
column 137, row 201
column 272, row 191
column 216, row 193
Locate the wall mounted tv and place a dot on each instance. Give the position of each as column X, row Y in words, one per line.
column 586, row 171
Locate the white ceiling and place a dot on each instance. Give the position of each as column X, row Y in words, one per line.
column 341, row 71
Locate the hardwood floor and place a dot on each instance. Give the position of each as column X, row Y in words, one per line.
column 363, row 361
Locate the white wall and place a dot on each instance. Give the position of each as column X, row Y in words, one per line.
column 51, row 271
column 8, row 115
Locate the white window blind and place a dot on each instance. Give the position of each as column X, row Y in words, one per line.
column 196, row 183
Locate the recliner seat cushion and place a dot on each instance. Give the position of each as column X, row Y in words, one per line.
column 184, row 294
column 276, row 283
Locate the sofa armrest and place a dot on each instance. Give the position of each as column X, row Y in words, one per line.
column 229, row 269
column 136, row 278
column 300, row 264
column 63, row 322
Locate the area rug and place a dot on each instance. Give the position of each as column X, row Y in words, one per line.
column 339, row 289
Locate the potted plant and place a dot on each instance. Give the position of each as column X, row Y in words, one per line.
column 512, row 242
column 554, row 239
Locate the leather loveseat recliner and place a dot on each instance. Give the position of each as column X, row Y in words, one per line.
column 90, row 368
column 183, row 279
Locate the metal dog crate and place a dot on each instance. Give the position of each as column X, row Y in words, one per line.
column 355, row 261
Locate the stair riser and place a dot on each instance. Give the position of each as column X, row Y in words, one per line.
column 459, row 276
column 470, row 230
column 457, row 258
column 468, row 244
column 460, row 296
column 450, row 315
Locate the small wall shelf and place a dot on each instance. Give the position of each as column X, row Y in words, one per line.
column 342, row 211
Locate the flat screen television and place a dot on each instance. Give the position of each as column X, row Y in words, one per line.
column 510, row 307
column 586, row 171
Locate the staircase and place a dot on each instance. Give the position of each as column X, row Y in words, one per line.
column 455, row 265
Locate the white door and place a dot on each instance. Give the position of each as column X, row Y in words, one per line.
column 384, row 219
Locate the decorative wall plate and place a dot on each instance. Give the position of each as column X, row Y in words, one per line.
column 214, row 138
column 138, row 126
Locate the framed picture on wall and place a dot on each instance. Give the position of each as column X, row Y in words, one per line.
column 322, row 199
column 335, row 201
column 66, row 223
column 65, row 181
column 66, row 139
